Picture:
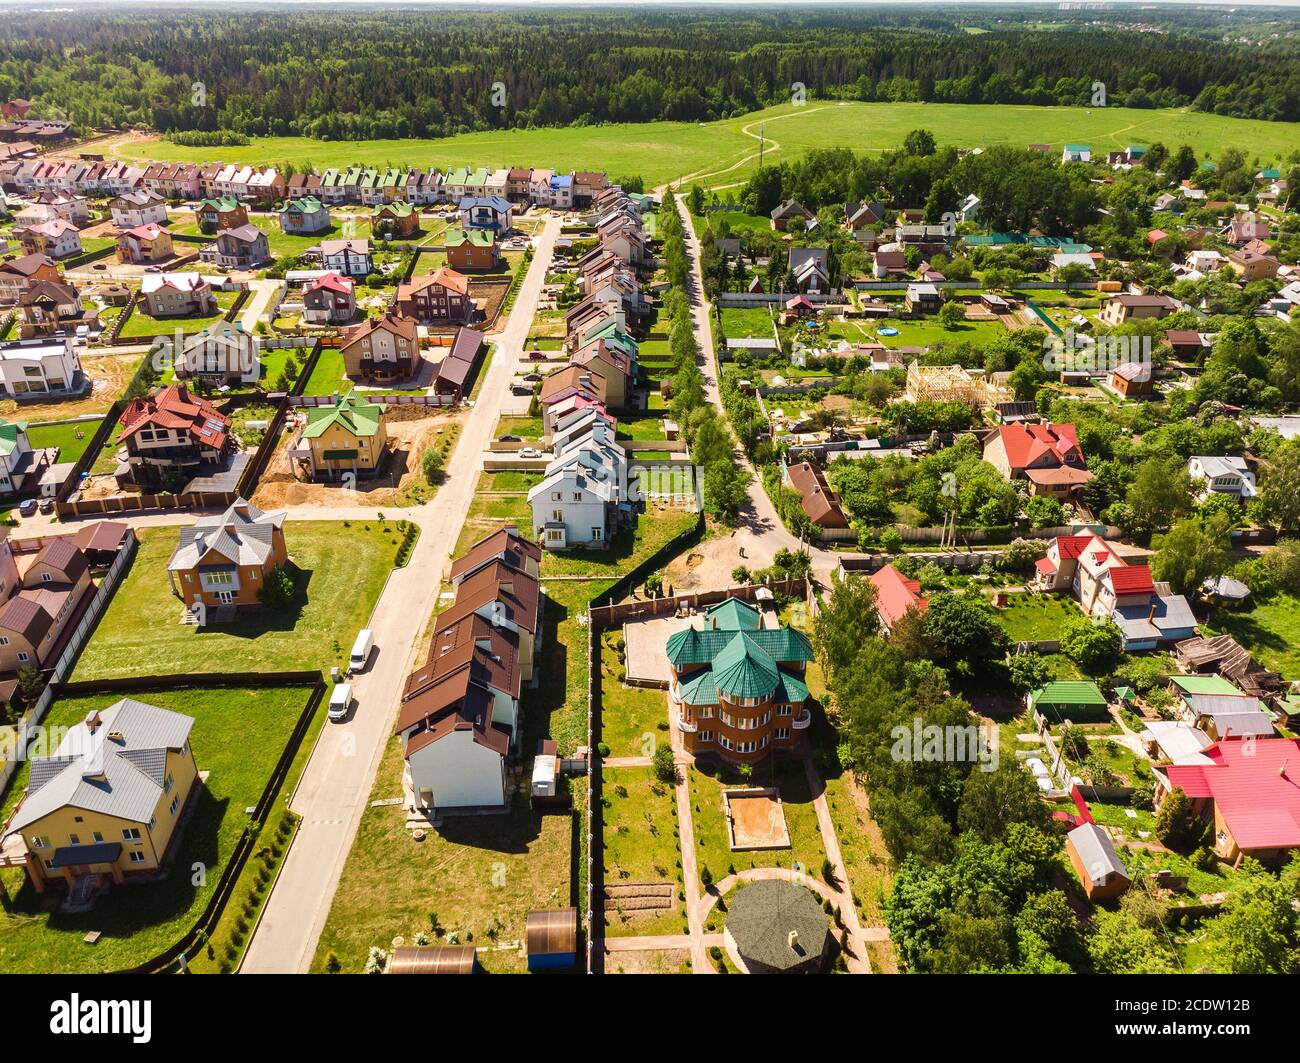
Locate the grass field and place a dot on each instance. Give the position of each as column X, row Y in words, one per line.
column 665, row 151
column 341, row 571
column 141, row 326
column 71, row 437
column 1035, row 617
column 641, row 844
column 237, row 738
column 479, row 876
column 1270, row 630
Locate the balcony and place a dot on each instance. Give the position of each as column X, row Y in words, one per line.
column 686, row 726
column 803, row 721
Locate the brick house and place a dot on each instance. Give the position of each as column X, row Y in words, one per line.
column 443, row 296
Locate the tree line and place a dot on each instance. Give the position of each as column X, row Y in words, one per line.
column 382, row 74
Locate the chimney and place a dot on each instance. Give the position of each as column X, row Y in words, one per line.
column 92, row 721
column 792, row 941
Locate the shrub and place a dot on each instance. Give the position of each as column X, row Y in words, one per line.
column 277, row 590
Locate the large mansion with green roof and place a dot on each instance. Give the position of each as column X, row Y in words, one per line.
column 737, row 683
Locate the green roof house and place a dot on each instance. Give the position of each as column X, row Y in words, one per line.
column 346, row 437
column 1069, row 699
column 737, row 683
column 17, row 460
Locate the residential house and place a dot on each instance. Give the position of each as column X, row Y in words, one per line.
column 859, row 216
column 1248, row 791
column 1076, row 153
column 1131, row 380
column 1253, row 266
column 469, row 250
column 329, row 299
column 1094, row 859
column 172, row 431
column 820, row 503
column 1047, row 455
column 896, row 596
column 582, row 501
column 56, row 238
column 811, row 268
column 455, row 372
column 222, row 353
column 348, row 258
column 48, row 308
column 459, row 718
column 18, row 273
column 395, row 221
column 736, row 683
column 890, row 264
column 42, row 592
column 225, row 559
column 304, row 216
column 1187, row 345
column 346, row 437
column 1125, row 307
column 382, row 349
column 587, row 185
column 923, row 299
column 487, row 212
column 18, row 462
column 145, row 244
column 928, row 239
column 604, row 359
column 243, row 248
column 1245, row 227
column 1213, row 705
column 140, row 207
column 39, row 366
column 442, row 297
column 111, row 799
column 1107, row 586
column 1221, row 474
column 788, row 211
column 177, row 295
column 223, row 213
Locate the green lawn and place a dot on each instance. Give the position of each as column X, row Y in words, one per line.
column 71, row 437
column 928, row 332
column 641, row 844
column 710, row 821
column 557, row 708
column 341, row 571
column 1269, row 629
column 509, row 481
column 746, row 322
column 633, row 720
column 1036, row 617
column 238, row 736
column 329, row 375
column 664, row 151
column 141, row 326
column 479, row 875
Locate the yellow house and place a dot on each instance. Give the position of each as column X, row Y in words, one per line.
column 110, row 799
column 346, row 437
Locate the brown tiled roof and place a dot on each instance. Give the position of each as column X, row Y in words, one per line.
column 25, row 617
column 515, row 590
column 62, row 555
column 819, row 501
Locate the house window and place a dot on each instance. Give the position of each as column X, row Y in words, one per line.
column 595, row 534
column 22, row 656
column 782, row 732
column 74, row 839
column 706, row 736
column 175, row 804
column 98, row 837
column 38, row 842
column 46, row 577
column 167, row 784
column 783, row 710
column 132, row 834
column 135, row 856
column 3, row 641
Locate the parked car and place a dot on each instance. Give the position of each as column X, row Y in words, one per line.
column 340, row 702
column 530, row 452
column 509, row 439
column 537, row 356
column 360, row 655
column 27, row 507
column 46, row 505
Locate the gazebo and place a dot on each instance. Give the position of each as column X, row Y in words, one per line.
column 777, row 927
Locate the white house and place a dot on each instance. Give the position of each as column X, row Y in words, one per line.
column 38, row 366
column 220, row 353
column 580, row 500
column 348, row 258
column 1221, row 475
column 141, row 207
column 460, row 766
column 17, row 460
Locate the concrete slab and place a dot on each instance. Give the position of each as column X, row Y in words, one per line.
column 646, row 642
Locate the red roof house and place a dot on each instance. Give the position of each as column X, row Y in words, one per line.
column 1047, row 455
column 895, row 595
column 1252, row 790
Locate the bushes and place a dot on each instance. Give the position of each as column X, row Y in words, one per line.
column 277, row 591
column 410, row 532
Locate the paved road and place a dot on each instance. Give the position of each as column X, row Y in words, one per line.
column 760, row 533
column 336, row 784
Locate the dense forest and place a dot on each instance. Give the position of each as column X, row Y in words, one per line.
column 358, row 73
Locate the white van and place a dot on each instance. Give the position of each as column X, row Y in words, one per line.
column 360, row 656
column 340, row 702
